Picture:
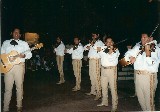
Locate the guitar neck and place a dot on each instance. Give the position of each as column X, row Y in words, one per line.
column 25, row 51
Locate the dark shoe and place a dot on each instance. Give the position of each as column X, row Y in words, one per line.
column 88, row 94
column 75, row 89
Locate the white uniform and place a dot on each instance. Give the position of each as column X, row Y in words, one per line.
column 77, row 55
column 159, row 45
column 60, row 58
column 16, row 73
column 109, row 75
column 94, row 68
column 146, row 69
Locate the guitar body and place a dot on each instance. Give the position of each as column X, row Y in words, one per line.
column 6, row 62
column 6, row 65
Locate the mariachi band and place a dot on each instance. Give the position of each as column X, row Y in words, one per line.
column 103, row 60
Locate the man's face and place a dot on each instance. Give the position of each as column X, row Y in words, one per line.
column 94, row 36
column 109, row 42
column 76, row 40
column 144, row 39
column 16, row 34
column 58, row 40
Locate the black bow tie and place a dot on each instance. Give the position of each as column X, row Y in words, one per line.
column 13, row 42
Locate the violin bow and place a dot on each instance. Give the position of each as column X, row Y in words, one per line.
column 154, row 30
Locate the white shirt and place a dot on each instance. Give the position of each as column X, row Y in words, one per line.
column 21, row 47
column 142, row 62
column 77, row 53
column 159, row 45
column 60, row 49
column 109, row 59
column 93, row 52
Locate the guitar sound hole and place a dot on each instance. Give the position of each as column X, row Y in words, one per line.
column 11, row 59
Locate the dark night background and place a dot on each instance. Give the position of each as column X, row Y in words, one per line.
column 119, row 18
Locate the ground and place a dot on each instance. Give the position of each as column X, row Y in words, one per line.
column 42, row 94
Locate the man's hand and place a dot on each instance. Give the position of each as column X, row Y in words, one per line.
column 88, row 47
column 22, row 55
column 132, row 59
column 147, row 50
column 65, row 51
column 98, row 49
column 12, row 58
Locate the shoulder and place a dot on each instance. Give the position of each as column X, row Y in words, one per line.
column 99, row 42
column 6, row 42
column 23, row 42
column 62, row 44
column 80, row 45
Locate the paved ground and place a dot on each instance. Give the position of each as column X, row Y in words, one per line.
column 41, row 94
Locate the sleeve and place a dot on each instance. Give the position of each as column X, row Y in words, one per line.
column 102, row 47
column 70, row 51
column 61, row 47
column 85, row 47
column 79, row 50
column 28, row 54
column 132, row 52
column 99, row 44
column 3, row 48
column 55, row 49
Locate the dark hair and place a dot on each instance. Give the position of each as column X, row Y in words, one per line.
column 107, row 38
column 77, row 37
column 16, row 28
column 59, row 37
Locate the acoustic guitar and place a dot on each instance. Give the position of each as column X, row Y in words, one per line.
column 7, row 64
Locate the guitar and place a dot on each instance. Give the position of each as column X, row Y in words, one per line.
column 7, row 64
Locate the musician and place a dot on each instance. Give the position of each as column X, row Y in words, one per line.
column 109, row 60
column 77, row 55
column 17, row 72
column 59, row 49
column 157, row 94
column 94, row 65
column 145, row 58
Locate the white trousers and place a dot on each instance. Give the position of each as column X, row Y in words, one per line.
column 15, row 74
column 146, row 84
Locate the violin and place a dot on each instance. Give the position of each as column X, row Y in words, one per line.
column 93, row 42
column 75, row 46
column 148, row 47
column 114, row 48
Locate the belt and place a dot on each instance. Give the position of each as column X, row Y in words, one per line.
column 21, row 62
column 94, row 58
column 109, row 67
column 76, row 59
column 144, row 72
